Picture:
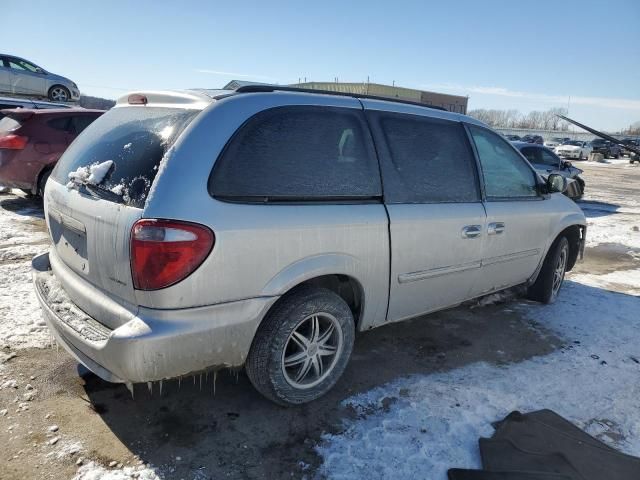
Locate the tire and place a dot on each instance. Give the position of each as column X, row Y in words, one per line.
column 582, row 185
column 44, row 176
column 59, row 93
column 278, row 340
column 581, row 157
column 549, row 282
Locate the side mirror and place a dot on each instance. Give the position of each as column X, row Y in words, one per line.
column 556, row 183
column 567, row 164
column 40, row 71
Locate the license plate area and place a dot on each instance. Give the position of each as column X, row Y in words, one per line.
column 69, row 237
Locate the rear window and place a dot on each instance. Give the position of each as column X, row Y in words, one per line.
column 302, row 153
column 8, row 124
column 135, row 139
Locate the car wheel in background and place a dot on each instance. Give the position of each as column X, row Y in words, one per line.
column 547, row 286
column 302, row 347
column 58, row 93
column 42, row 181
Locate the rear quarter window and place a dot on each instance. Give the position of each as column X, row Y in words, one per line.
column 301, row 153
column 135, row 139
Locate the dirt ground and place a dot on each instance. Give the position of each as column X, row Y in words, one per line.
column 201, row 428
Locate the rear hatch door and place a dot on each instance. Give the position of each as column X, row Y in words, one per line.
column 98, row 192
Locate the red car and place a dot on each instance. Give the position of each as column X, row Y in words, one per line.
column 32, row 141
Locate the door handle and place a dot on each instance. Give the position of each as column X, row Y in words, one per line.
column 495, row 228
column 471, row 231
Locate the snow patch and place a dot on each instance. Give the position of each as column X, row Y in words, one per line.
column 420, row 426
column 89, row 175
column 95, row 471
column 623, row 229
column 627, row 281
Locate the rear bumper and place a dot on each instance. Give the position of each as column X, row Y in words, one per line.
column 155, row 344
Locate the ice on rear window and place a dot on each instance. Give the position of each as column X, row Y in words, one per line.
column 134, row 140
column 90, row 175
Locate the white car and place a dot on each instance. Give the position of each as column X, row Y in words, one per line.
column 574, row 149
column 555, row 142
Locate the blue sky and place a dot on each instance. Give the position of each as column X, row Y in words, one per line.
column 503, row 54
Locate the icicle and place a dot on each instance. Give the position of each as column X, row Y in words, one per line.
column 206, row 376
column 215, row 375
column 200, row 382
column 194, row 380
column 179, row 382
column 237, row 376
column 160, row 387
column 150, row 387
column 129, row 386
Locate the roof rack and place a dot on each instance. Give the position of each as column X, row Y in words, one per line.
column 277, row 88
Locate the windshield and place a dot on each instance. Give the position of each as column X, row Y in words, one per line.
column 598, row 141
column 574, row 142
column 125, row 145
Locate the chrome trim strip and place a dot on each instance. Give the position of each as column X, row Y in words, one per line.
column 437, row 272
column 511, row 256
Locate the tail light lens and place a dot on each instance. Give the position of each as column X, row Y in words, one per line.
column 164, row 252
column 13, row 142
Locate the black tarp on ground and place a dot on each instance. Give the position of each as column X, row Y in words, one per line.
column 459, row 474
column 545, row 443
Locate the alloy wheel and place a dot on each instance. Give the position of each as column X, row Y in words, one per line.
column 59, row 94
column 558, row 273
column 312, row 350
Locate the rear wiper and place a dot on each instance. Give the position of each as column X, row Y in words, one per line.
column 101, row 192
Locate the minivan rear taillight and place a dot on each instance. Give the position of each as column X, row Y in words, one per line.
column 13, row 142
column 164, row 252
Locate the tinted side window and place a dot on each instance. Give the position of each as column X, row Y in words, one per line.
column 506, row 174
column 550, row 159
column 298, row 152
column 424, row 160
column 79, row 123
column 532, row 154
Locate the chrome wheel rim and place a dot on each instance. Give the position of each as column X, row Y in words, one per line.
column 558, row 272
column 59, row 94
column 312, row 350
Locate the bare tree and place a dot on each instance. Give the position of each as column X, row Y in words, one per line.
column 547, row 120
column 634, row 129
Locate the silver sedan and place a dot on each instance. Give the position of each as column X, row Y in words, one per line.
column 21, row 77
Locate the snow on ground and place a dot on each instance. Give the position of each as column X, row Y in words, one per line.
column 95, row 471
column 615, row 228
column 422, row 425
column 627, row 281
column 432, row 423
column 21, row 323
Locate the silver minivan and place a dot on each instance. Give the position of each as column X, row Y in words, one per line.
column 264, row 227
